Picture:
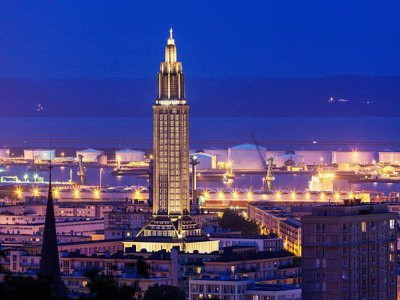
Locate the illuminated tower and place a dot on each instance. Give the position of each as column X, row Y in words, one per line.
column 171, row 138
column 171, row 201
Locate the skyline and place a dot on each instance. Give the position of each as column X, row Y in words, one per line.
column 274, row 188
column 103, row 40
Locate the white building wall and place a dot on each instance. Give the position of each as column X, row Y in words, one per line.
column 206, row 161
column 129, row 155
column 89, row 155
column 4, row 153
column 246, row 157
column 357, row 157
column 315, row 157
column 389, row 157
column 221, row 155
column 39, row 154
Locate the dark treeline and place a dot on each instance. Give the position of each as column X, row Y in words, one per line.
column 361, row 96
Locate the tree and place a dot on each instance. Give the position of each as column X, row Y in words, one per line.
column 26, row 288
column 164, row 292
column 143, row 268
column 105, row 287
column 231, row 220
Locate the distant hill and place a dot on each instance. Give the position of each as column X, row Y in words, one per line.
column 360, row 96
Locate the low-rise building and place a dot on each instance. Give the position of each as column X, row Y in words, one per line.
column 261, row 242
column 241, row 290
column 276, row 220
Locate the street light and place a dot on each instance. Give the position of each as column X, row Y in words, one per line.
column 194, row 161
column 100, row 173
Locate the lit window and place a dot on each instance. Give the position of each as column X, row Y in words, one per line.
column 364, row 226
column 391, row 224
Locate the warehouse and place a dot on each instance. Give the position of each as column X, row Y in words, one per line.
column 315, row 157
column 128, row 155
column 89, row 155
column 221, row 155
column 388, row 157
column 4, row 153
column 355, row 157
column 246, row 157
column 206, row 161
column 289, row 158
column 39, row 154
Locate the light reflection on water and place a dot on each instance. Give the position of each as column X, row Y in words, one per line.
column 283, row 181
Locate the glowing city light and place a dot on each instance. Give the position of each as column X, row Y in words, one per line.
column 76, row 193
column 138, row 194
column 19, row 192
column 337, row 196
column 249, row 195
column 206, row 195
column 307, row 196
column 293, row 195
column 56, row 193
column 278, row 195
column 220, row 195
column 35, row 192
column 96, row 194
column 350, row 195
column 26, row 177
column 322, row 196
column 235, row 194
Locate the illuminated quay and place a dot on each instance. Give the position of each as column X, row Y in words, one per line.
column 238, row 222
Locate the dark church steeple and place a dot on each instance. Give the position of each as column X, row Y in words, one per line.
column 49, row 261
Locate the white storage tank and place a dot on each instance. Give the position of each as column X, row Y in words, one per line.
column 206, row 161
column 4, row 153
column 89, row 155
column 274, row 154
column 128, row 155
column 389, row 157
column 315, row 157
column 246, row 157
column 288, row 158
column 355, row 157
column 221, row 155
column 39, row 154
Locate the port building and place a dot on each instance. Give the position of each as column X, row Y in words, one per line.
column 39, row 154
column 128, row 155
column 206, row 161
column 4, row 154
column 246, row 157
column 315, row 157
column 355, row 157
column 221, row 155
column 89, row 155
column 389, row 157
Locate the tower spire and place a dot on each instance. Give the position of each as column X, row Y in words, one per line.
column 49, row 260
column 171, row 40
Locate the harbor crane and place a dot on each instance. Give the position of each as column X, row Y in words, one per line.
column 81, row 169
column 267, row 165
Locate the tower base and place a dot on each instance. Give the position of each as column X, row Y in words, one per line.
column 154, row 245
column 163, row 232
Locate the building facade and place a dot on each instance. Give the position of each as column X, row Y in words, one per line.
column 171, row 224
column 349, row 252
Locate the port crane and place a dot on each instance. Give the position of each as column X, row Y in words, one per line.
column 267, row 165
column 81, row 169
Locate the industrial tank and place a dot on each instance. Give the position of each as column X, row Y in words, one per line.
column 246, row 157
column 128, row 155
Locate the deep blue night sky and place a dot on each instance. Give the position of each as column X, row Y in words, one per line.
column 67, row 39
